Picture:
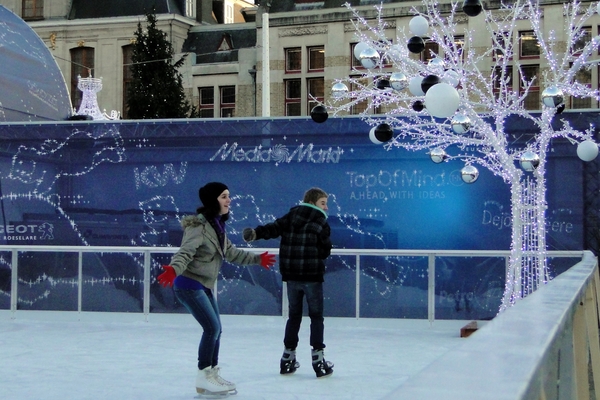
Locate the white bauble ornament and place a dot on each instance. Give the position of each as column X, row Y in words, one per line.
column 419, row 25
column 414, row 85
column 451, row 77
column 442, row 100
column 372, row 136
column 587, row 150
column 358, row 48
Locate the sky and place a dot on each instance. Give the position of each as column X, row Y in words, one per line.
column 66, row 355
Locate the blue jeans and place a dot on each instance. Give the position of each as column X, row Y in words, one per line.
column 203, row 307
column 314, row 298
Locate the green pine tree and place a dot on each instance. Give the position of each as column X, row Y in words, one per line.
column 156, row 90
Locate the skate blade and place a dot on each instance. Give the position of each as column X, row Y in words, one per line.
column 207, row 394
column 325, row 376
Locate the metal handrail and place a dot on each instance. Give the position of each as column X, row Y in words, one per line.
column 358, row 253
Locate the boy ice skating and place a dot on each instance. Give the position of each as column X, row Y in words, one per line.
column 305, row 244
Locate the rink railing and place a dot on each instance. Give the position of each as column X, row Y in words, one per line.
column 147, row 252
column 544, row 347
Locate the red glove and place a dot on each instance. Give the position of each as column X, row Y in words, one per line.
column 167, row 277
column 267, row 260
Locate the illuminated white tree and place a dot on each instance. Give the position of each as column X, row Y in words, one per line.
column 462, row 97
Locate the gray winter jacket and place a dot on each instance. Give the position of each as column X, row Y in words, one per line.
column 200, row 256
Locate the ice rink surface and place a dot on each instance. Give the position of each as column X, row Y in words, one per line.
column 93, row 356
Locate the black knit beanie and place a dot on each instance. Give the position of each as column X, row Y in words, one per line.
column 209, row 194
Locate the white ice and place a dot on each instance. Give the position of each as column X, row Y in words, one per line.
column 58, row 356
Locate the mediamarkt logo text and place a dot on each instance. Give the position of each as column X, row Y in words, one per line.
column 278, row 154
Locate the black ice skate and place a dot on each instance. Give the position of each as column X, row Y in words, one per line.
column 322, row 368
column 288, row 363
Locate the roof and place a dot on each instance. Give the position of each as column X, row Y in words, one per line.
column 205, row 44
column 81, row 9
column 301, row 5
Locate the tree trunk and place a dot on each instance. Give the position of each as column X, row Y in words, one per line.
column 527, row 266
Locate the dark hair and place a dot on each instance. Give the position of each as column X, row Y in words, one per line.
column 312, row 195
column 209, row 195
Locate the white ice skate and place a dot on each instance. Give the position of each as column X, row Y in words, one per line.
column 208, row 387
column 216, row 371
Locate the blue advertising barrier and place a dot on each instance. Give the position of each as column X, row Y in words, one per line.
column 129, row 183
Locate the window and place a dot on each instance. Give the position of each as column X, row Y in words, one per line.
column 459, row 45
column 316, row 92
column 293, row 60
column 293, row 97
column 431, row 50
column 583, row 77
column 584, row 38
column 529, row 73
column 355, row 63
column 127, row 77
column 82, row 64
column 360, row 107
column 229, row 19
column 190, row 9
column 316, row 58
column 206, row 106
column 227, row 101
column 33, row 10
column 528, row 45
column 502, row 41
column 507, row 78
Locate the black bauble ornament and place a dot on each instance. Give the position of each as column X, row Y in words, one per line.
column 384, row 132
column 416, row 44
column 418, row 106
column 319, row 114
column 383, row 84
column 429, row 81
column 472, row 7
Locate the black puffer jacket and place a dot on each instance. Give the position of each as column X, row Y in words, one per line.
column 305, row 242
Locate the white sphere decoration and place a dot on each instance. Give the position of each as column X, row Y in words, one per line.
column 442, row 100
column 419, row 25
column 469, row 174
column 587, row 150
column 369, row 58
column 451, row 77
column 414, row 85
column 338, row 90
column 358, row 48
column 372, row 136
column 398, row 81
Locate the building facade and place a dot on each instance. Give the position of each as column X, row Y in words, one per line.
column 310, row 44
